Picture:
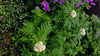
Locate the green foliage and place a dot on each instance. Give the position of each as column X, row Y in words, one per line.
column 96, row 38
column 36, row 30
column 58, row 31
column 65, row 37
column 11, row 12
column 13, row 9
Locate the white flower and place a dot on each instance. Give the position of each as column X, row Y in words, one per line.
column 73, row 14
column 82, row 31
column 39, row 47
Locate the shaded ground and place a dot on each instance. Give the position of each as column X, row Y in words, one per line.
column 94, row 9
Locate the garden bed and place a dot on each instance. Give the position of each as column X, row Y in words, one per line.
column 49, row 28
column 94, row 9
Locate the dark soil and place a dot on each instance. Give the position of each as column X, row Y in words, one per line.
column 94, row 9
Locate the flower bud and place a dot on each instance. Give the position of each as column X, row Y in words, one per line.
column 39, row 47
column 0, row 17
column 37, row 7
column 73, row 14
column 82, row 31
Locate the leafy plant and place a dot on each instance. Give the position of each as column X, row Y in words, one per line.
column 36, row 30
column 57, row 29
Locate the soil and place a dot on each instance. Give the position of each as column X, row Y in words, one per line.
column 94, row 9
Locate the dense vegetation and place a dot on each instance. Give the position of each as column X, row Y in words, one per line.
column 48, row 28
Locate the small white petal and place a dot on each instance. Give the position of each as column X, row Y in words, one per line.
column 43, row 47
column 40, row 42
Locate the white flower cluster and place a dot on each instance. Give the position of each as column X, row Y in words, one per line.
column 73, row 14
column 39, row 47
column 82, row 31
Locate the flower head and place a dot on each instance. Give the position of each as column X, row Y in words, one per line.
column 81, row 3
column 0, row 17
column 46, row 9
column 92, row 3
column 1, row 32
column 82, row 31
column 89, row 7
column 77, row 5
column 39, row 47
column 37, row 7
column 73, row 14
column 61, row 2
column 91, row 0
column 56, row 0
column 46, row 4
